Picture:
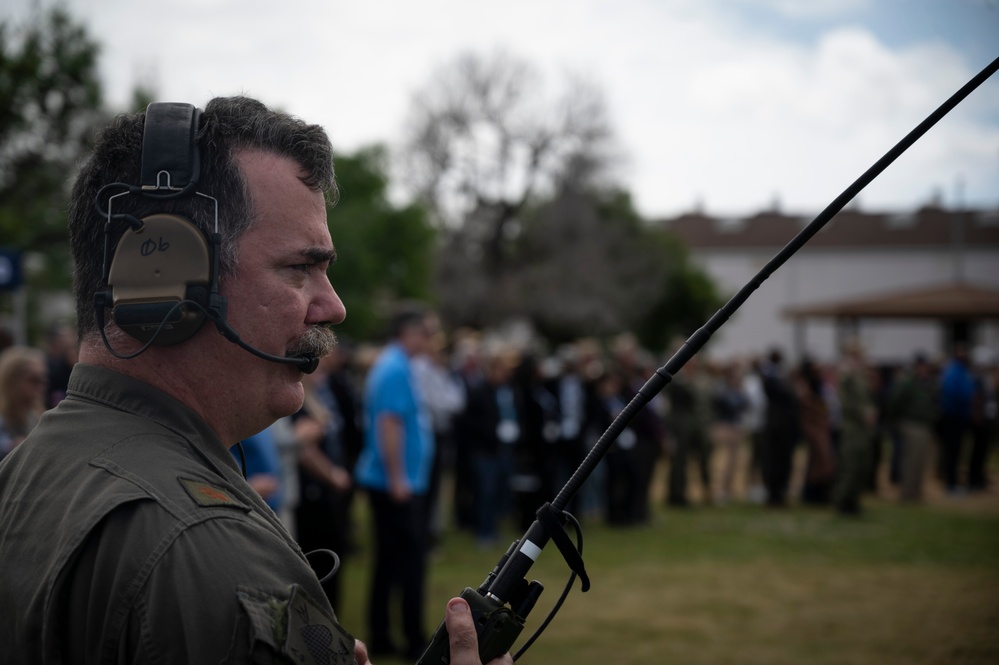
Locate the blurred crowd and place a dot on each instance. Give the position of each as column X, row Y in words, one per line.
column 32, row 380
column 511, row 426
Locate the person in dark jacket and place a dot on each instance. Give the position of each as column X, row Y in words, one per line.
column 783, row 427
column 912, row 406
column 491, row 428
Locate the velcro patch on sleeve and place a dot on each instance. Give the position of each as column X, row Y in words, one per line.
column 207, row 495
column 296, row 627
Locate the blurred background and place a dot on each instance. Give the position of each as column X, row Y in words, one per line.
column 534, row 149
column 575, row 184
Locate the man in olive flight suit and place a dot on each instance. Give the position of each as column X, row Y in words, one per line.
column 127, row 533
column 859, row 418
column 913, row 407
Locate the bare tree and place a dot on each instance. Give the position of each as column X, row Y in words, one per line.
column 486, row 137
column 515, row 175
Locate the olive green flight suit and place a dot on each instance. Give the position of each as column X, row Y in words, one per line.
column 855, row 454
column 913, row 406
column 127, row 535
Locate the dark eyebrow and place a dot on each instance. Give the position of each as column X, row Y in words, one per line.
column 319, row 255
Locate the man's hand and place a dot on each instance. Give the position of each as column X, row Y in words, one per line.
column 309, row 430
column 339, row 478
column 361, row 653
column 265, row 484
column 464, row 641
column 399, row 490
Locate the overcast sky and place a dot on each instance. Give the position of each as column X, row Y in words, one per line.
column 727, row 104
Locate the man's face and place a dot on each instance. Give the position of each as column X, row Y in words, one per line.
column 279, row 290
column 415, row 339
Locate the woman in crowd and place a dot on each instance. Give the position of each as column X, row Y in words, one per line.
column 816, row 432
column 730, row 404
column 23, row 380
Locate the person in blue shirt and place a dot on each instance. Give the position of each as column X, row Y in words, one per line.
column 957, row 389
column 263, row 466
column 394, row 468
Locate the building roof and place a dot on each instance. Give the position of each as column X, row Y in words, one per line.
column 953, row 301
column 927, row 227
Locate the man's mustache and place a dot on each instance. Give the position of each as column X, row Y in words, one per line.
column 315, row 342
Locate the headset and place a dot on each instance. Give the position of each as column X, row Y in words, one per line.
column 162, row 279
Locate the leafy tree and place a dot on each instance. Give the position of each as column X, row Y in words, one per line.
column 50, row 111
column 516, row 180
column 687, row 299
column 384, row 252
column 142, row 96
column 48, row 79
column 589, row 265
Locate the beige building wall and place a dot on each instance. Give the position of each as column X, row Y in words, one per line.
column 821, row 273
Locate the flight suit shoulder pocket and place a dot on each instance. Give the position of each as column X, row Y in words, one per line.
column 290, row 629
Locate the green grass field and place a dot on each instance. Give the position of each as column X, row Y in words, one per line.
column 744, row 584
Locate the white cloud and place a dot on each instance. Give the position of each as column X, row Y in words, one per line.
column 813, row 9
column 803, row 122
column 706, row 105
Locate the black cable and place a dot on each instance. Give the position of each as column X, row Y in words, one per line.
column 336, row 564
column 99, row 313
column 242, row 457
column 307, row 365
column 133, row 221
column 565, row 592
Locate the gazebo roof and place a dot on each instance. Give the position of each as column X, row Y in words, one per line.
column 948, row 301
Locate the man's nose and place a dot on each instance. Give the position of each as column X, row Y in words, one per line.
column 326, row 306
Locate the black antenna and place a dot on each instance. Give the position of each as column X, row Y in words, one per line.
column 516, row 563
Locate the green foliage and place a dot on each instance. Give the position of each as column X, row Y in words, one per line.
column 384, row 252
column 50, row 111
column 52, row 102
column 587, row 264
column 583, row 266
column 688, row 298
column 517, row 178
column 142, row 96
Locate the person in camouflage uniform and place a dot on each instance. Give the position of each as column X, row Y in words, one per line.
column 859, row 417
column 689, row 422
column 913, row 406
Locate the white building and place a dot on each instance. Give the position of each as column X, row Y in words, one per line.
column 871, row 258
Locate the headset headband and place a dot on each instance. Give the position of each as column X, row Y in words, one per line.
column 162, row 278
column 171, row 157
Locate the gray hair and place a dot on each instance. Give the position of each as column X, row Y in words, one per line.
column 228, row 125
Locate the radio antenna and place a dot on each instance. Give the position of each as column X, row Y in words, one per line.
column 508, row 579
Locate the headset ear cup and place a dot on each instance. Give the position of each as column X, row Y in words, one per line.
column 198, row 293
column 160, row 279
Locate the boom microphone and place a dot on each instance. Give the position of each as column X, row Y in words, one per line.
column 215, row 312
column 306, row 364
